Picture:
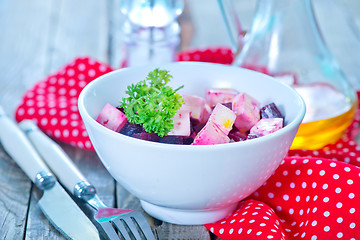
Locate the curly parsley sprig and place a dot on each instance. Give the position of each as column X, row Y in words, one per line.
column 152, row 104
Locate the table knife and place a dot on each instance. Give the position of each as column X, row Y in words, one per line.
column 114, row 221
column 55, row 203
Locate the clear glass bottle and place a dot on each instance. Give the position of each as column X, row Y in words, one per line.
column 342, row 35
column 284, row 41
column 151, row 31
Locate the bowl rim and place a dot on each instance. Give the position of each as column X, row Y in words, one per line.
column 90, row 120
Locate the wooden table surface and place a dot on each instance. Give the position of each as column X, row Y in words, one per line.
column 38, row 37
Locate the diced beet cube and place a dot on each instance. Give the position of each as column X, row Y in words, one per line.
column 197, row 128
column 171, row 139
column 267, row 125
column 219, row 95
column 188, row 140
column 120, row 108
column 130, row 129
column 247, row 111
column 270, row 111
column 223, row 117
column 238, row 136
column 112, row 118
column 253, row 136
column 153, row 137
column 193, row 134
column 228, row 105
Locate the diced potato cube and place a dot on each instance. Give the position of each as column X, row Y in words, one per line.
column 211, row 134
column 112, row 118
column 247, row 111
column 267, row 125
column 223, row 117
column 195, row 105
column 181, row 122
column 219, row 95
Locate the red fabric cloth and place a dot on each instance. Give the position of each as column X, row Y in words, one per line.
column 52, row 102
column 306, row 198
column 312, row 195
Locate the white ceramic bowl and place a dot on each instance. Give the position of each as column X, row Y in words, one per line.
column 186, row 184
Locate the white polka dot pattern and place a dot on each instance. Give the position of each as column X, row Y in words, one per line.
column 303, row 200
column 52, row 103
column 252, row 220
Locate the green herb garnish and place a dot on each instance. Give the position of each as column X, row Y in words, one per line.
column 152, row 104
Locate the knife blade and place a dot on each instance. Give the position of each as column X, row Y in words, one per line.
column 55, row 203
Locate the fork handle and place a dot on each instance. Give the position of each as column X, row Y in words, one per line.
column 58, row 161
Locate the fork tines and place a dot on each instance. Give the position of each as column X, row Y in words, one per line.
column 129, row 226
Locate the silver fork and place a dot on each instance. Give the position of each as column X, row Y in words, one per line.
column 115, row 222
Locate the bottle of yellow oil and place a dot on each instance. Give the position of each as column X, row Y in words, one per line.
column 326, row 118
column 284, row 41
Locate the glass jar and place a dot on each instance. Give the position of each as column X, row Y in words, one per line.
column 284, row 41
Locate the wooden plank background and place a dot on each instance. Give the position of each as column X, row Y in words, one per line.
column 38, row 37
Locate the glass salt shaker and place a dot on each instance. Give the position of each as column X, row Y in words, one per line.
column 151, row 31
column 284, row 41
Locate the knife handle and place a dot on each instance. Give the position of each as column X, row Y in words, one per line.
column 58, row 161
column 22, row 152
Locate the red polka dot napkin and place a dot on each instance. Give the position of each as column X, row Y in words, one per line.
column 312, row 195
column 252, row 220
column 306, row 198
column 52, row 102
